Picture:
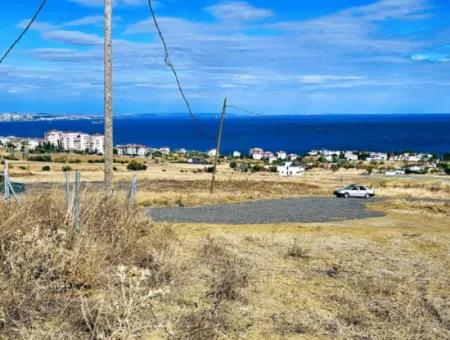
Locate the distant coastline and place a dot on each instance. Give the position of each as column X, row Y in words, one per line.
column 429, row 133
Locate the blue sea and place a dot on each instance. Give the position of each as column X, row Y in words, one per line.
column 399, row 132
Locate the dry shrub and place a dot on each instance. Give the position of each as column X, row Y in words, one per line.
column 49, row 272
column 229, row 273
column 296, row 251
column 228, row 277
column 207, row 323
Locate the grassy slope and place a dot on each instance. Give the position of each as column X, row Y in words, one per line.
column 125, row 276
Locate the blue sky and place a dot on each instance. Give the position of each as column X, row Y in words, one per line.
column 272, row 56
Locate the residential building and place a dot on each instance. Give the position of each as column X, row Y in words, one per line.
column 133, row 150
column 350, row 156
column 377, row 156
column 257, row 153
column 75, row 141
column 164, row 150
column 290, row 170
column 237, row 154
column 53, row 137
column 281, row 155
column 97, row 144
column 32, row 143
column 212, row 153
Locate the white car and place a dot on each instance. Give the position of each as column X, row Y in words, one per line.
column 354, row 190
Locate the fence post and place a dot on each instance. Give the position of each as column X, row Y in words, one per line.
column 6, row 182
column 77, row 201
column 133, row 191
column 67, row 190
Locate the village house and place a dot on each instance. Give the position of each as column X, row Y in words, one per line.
column 32, row 143
column 212, row 153
column 288, row 170
column 257, row 153
column 377, row 157
column 350, row 156
column 237, row 154
column 133, row 150
column 416, row 169
column 164, row 150
column 281, row 155
column 292, row 156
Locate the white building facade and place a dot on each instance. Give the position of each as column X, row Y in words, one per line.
column 76, row 141
column 134, row 150
column 289, row 170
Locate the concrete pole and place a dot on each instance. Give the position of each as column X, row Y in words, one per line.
column 108, row 98
column 219, row 142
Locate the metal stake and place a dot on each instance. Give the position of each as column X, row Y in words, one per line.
column 77, row 201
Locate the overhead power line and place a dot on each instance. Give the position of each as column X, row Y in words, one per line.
column 27, row 27
column 244, row 110
column 169, row 63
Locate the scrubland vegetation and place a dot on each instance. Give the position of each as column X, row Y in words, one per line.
column 122, row 276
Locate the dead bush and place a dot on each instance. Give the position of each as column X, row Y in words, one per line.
column 295, row 251
column 49, row 272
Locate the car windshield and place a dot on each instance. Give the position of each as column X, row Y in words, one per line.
column 350, row 187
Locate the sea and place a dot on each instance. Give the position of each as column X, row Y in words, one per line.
column 291, row 133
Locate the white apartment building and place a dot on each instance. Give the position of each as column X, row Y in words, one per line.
column 76, row 141
column 97, row 144
column 53, row 137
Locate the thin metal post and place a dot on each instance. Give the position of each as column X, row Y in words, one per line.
column 219, row 141
column 133, row 191
column 77, row 201
column 68, row 198
column 6, row 182
column 14, row 192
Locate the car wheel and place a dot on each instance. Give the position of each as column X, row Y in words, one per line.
column 366, row 196
column 346, row 195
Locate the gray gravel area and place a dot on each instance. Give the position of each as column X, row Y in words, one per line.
column 305, row 210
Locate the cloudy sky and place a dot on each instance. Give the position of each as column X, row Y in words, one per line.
column 271, row 56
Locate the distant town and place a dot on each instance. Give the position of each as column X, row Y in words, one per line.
column 256, row 160
column 30, row 117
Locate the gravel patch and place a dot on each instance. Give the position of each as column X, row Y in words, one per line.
column 305, row 210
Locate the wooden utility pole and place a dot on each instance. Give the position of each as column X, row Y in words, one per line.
column 219, row 142
column 108, row 98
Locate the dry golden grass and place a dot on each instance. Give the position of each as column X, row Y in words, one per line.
column 124, row 276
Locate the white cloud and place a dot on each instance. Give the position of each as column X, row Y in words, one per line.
column 85, row 21
column 73, row 37
column 238, row 11
column 101, row 3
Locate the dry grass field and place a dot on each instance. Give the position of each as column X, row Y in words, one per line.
column 123, row 276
